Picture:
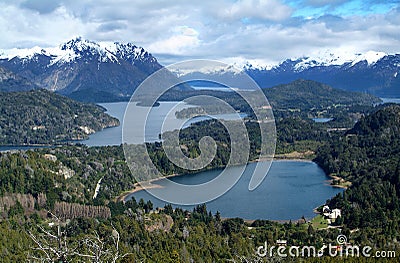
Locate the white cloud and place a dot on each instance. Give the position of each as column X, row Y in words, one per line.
column 183, row 41
column 26, row 28
column 256, row 9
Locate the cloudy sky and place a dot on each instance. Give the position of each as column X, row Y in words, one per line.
column 268, row 31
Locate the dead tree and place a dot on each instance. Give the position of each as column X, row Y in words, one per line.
column 58, row 248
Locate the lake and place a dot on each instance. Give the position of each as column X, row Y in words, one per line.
column 113, row 136
column 291, row 190
column 391, row 100
column 322, row 120
column 160, row 119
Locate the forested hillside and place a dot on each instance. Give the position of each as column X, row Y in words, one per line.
column 63, row 181
column 43, row 117
column 300, row 98
column 306, row 94
column 369, row 156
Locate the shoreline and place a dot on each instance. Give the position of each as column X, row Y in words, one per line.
column 343, row 183
column 143, row 185
column 152, row 184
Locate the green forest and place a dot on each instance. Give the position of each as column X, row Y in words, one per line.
column 50, row 210
column 43, row 117
column 369, row 157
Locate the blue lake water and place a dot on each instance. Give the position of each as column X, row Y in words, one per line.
column 160, row 119
column 322, row 120
column 390, row 100
column 292, row 189
column 212, row 88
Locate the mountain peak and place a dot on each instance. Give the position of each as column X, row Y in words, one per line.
column 371, row 57
column 84, row 69
column 78, row 44
column 320, row 59
column 79, row 48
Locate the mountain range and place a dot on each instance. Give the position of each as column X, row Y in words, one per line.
column 100, row 72
column 82, row 69
column 376, row 73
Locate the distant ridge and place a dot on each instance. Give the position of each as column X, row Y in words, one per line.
column 372, row 72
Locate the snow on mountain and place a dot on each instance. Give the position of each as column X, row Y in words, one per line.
column 371, row 57
column 83, row 69
column 327, row 58
column 237, row 65
column 205, row 69
column 78, row 48
column 27, row 53
column 324, row 59
column 244, row 64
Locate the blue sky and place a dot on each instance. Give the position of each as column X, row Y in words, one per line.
column 316, row 8
column 262, row 31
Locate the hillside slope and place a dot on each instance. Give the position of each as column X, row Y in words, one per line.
column 43, row 117
column 306, row 94
column 368, row 156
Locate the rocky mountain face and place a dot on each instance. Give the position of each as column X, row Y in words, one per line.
column 12, row 82
column 82, row 69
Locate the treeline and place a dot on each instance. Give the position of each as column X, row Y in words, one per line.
column 43, row 117
column 304, row 95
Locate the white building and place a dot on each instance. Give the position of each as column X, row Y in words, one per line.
column 335, row 213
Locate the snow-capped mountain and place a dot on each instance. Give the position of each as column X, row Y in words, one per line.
column 83, row 69
column 373, row 72
column 90, row 71
column 330, row 59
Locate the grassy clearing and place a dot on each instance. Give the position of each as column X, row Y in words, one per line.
column 319, row 222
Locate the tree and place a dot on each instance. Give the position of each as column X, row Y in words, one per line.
column 218, row 216
column 58, row 247
column 17, row 209
column 310, row 230
column 148, row 206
